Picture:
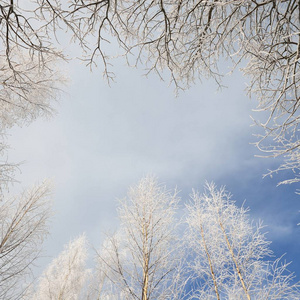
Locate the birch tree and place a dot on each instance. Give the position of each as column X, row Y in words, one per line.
column 23, row 228
column 65, row 277
column 141, row 261
column 230, row 256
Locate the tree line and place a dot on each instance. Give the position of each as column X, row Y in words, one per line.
column 214, row 251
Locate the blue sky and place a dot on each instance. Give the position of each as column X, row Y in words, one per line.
column 104, row 139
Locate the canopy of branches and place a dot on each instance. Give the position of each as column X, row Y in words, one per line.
column 188, row 38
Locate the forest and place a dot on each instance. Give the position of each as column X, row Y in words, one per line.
column 93, row 138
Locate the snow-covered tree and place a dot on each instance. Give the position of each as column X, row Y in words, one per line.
column 189, row 38
column 65, row 277
column 142, row 260
column 29, row 80
column 220, row 255
column 229, row 255
column 23, row 227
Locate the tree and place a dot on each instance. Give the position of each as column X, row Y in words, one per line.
column 221, row 255
column 187, row 38
column 23, row 229
column 228, row 253
column 141, row 261
column 29, row 78
column 65, row 277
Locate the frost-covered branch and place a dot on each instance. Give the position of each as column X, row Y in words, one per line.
column 229, row 256
column 23, row 228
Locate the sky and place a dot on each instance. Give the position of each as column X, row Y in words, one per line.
column 104, row 139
